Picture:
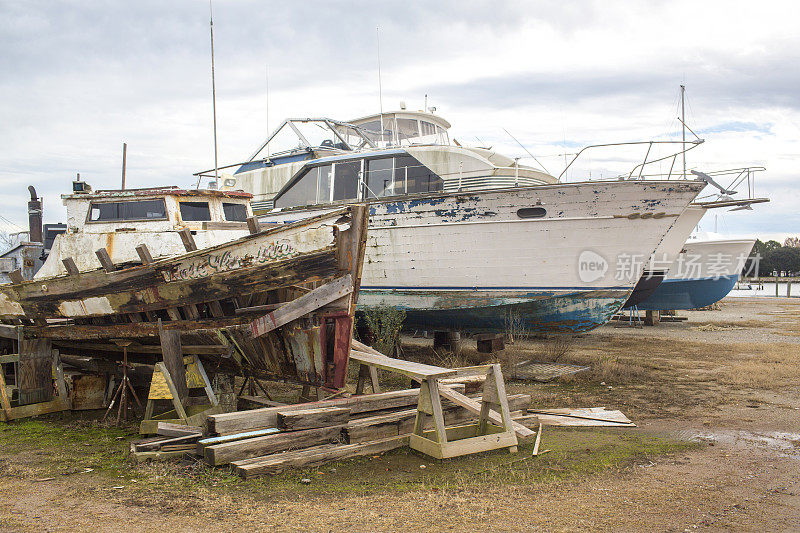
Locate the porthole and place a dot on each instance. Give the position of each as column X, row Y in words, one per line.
column 531, row 212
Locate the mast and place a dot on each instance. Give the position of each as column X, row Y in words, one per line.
column 213, row 96
column 683, row 127
column 380, row 88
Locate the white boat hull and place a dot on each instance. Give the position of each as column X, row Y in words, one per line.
column 465, row 261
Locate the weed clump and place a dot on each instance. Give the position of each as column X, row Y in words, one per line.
column 379, row 326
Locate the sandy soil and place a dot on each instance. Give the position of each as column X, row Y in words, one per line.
column 679, row 381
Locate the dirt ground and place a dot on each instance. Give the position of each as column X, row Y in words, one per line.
column 717, row 448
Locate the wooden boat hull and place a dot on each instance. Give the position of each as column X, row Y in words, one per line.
column 211, row 296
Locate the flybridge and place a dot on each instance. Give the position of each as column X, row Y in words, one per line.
column 299, row 139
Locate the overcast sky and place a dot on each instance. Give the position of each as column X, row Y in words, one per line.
column 79, row 78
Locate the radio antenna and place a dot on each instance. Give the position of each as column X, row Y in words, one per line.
column 213, row 95
column 267, row 105
column 380, row 87
column 530, row 154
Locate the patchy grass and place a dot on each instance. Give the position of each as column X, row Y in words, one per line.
column 34, row 449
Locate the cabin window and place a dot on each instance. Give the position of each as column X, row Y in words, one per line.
column 313, row 187
column 442, row 135
column 379, row 177
column 235, row 212
column 531, row 212
column 324, row 184
column 427, row 128
column 406, row 129
column 195, row 211
column 411, row 176
column 303, row 192
column 132, row 210
column 345, row 180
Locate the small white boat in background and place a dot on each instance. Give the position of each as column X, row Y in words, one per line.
column 705, row 271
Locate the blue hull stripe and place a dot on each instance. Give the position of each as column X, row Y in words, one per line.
column 539, row 313
column 688, row 293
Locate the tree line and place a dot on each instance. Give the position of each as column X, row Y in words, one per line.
column 770, row 257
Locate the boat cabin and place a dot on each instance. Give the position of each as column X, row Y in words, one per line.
column 349, row 178
column 321, row 160
column 120, row 220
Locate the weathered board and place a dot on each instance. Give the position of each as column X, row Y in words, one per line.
column 35, row 371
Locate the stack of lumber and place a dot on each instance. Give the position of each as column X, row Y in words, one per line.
column 172, row 440
column 268, row 440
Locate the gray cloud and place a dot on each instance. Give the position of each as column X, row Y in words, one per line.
column 79, row 77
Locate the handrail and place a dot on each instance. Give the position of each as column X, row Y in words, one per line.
column 650, row 143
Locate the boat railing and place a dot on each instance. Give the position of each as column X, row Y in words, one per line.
column 638, row 169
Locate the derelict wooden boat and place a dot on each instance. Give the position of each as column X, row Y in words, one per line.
column 227, row 301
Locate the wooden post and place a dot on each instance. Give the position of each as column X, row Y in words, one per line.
column 788, row 289
column 105, row 260
column 188, row 240
column 69, row 264
column 16, row 276
column 651, row 318
column 253, row 225
column 144, row 254
column 173, row 360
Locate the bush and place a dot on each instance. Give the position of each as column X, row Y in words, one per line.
column 383, row 325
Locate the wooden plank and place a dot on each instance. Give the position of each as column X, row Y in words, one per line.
column 177, row 430
column 105, row 260
column 173, row 361
column 8, row 332
column 4, row 403
column 319, row 417
column 460, row 445
column 257, row 308
column 402, row 422
column 319, row 297
column 222, row 454
column 200, row 349
column 315, row 456
column 144, row 254
column 69, row 264
column 216, row 309
column 156, row 444
column 9, row 358
column 210, row 441
column 187, row 239
column 16, row 276
column 416, row 371
column 475, row 407
column 179, row 448
column 228, row 224
column 35, row 371
column 36, row 409
column 141, row 457
column 228, row 423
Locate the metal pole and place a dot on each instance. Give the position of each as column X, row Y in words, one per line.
column 124, row 156
column 213, row 95
column 380, row 86
column 683, row 128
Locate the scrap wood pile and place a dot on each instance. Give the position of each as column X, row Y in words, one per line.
column 273, row 439
column 268, row 440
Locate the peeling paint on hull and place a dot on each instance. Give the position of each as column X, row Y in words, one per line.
column 478, row 311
